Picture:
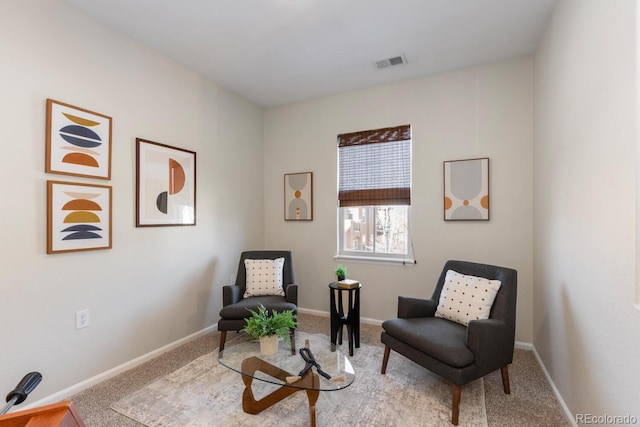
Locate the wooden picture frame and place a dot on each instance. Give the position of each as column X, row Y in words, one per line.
column 298, row 196
column 78, row 141
column 466, row 190
column 165, row 185
column 78, row 217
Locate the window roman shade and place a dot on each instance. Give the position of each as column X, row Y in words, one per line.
column 375, row 167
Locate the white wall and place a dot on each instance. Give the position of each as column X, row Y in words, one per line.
column 484, row 111
column 585, row 327
column 156, row 285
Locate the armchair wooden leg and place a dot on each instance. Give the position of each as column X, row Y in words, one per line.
column 223, row 338
column 505, row 379
column 385, row 359
column 455, row 411
column 292, row 337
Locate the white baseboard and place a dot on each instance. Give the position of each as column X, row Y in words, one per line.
column 313, row 312
column 555, row 390
column 366, row 320
column 83, row 385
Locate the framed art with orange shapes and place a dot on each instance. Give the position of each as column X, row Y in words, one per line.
column 78, row 141
column 466, row 190
column 165, row 185
column 78, row 217
column 298, row 196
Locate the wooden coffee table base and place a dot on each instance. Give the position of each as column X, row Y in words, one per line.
column 309, row 383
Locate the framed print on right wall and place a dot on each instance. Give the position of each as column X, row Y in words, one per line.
column 466, row 190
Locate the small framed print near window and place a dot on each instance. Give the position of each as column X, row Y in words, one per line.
column 466, row 190
column 298, row 196
column 78, row 217
column 165, row 185
column 78, row 141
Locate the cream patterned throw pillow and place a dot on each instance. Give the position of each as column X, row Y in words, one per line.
column 464, row 298
column 264, row 277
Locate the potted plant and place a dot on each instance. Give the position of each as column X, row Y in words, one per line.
column 341, row 272
column 269, row 327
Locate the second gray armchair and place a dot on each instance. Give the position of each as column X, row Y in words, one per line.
column 457, row 352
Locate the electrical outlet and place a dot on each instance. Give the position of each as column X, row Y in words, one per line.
column 82, row 318
column 233, row 279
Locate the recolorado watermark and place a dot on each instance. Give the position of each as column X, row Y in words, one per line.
column 606, row 419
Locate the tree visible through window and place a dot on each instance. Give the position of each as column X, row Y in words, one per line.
column 374, row 193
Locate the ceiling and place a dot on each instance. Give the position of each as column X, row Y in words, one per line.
column 274, row 52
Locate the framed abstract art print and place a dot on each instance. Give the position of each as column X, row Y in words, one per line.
column 298, row 196
column 466, row 190
column 78, row 141
column 165, row 185
column 78, row 217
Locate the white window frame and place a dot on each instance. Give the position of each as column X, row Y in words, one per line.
column 407, row 258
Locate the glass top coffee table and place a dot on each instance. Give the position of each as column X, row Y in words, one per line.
column 316, row 366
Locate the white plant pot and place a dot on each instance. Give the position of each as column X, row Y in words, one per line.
column 269, row 345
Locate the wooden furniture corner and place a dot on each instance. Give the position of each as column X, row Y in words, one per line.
column 61, row 414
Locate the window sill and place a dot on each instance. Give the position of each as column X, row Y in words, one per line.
column 375, row 260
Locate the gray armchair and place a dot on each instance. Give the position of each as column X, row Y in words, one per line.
column 458, row 353
column 235, row 307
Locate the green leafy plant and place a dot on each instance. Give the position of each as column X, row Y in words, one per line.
column 263, row 324
column 341, row 272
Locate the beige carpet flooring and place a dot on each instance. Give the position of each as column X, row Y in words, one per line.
column 531, row 402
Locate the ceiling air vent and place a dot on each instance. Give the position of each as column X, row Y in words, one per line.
column 391, row 62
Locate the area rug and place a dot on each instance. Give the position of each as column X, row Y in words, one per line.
column 205, row 393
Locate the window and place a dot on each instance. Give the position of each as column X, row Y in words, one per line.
column 374, row 193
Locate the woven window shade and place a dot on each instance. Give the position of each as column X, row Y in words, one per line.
column 375, row 167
